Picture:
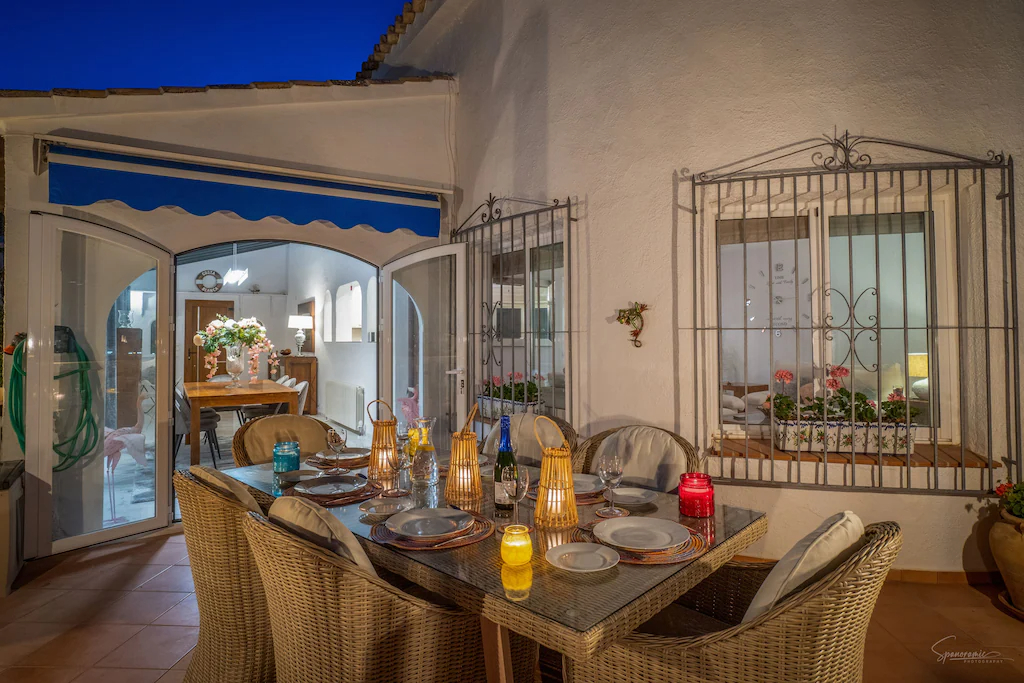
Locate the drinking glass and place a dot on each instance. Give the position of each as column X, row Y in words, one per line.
column 609, row 468
column 516, row 482
column 398, row 461
column 337, row 440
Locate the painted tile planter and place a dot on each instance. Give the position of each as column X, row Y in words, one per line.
column 843, row 437
column 493, row 408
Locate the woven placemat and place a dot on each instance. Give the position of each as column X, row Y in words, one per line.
column 331, row 463
column 371, row 490
column 482, row 528
column 693, row 548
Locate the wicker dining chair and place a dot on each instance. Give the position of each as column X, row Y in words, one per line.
column 583, row 455
column 522, row 428
column 244, row 458
column 235, row 643
column 335, row 623
column 816, row 635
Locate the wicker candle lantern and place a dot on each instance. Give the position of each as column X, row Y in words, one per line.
column 463, row 486
column 556, row 500
column 383, row 446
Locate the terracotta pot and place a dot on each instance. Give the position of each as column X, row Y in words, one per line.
column 1006, row 539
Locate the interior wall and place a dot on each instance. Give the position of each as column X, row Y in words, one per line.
column 607, row 102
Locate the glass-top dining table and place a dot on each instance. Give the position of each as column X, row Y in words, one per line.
column 575, row 614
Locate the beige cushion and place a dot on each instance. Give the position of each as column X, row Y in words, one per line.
column 528, row 451
column 230, row 487
column 813, row 556
column 317, row 525
column 651, row 457
column 260, row 438
column 676, row 621
column 733, row 403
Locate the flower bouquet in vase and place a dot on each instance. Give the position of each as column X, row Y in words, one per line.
column 235, row 338
column 840, row 421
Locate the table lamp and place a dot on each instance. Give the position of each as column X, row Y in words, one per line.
column 300, row 323
column 917, row 367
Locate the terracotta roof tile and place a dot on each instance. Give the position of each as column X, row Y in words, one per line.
column 391, row 38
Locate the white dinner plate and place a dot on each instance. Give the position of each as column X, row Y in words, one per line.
column 582, row 557
column 295, row 476
column 346, row 454
column 642, row 534
column 429, row 522
column 334, row 485
column 631, row 496
column 586, row 483
column 385, row 506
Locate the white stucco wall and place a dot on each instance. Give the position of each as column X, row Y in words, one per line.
column 604, row 100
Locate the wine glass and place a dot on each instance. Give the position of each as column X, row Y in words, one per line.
column 516, row 482
column 609, row 468
column 336, row 441
column 397, row 460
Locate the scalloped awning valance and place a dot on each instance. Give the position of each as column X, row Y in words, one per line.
column 81, row 176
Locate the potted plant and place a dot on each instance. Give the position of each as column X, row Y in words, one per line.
column 515, row 395
column 840, row 421
column 1006, row 539
column 235, row 337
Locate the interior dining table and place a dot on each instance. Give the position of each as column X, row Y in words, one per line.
column 575, row 614
column 221, row 394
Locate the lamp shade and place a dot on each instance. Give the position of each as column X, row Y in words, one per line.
column 300, row 322
column 917, row 364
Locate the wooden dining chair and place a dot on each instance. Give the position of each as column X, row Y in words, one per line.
column 660, row 455
column 234, row 643
column 815, row 635
column 335, row 623
column 254, row 441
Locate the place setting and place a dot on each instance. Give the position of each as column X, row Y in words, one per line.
column 336, row 489
column 641, row 540
column 588, row 489
column 340, row 458
column 432, row 529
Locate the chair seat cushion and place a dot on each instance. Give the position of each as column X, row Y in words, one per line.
column 652, row 459
column 230, row 487
column 813, row 556
column 681, row 622
column 528, row 451
column 317, row 525
column 260, row 438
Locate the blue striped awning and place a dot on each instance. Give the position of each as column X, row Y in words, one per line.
column 80, row 177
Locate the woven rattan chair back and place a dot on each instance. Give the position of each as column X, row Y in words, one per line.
column 234, row 644
column 583, row 455
column 333, row 623
column 243, row 458
column 816, row 635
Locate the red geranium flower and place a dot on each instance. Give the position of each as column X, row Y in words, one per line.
column 784, row 376
column 839, row 371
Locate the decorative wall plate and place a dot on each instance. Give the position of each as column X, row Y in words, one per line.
column 209, row 282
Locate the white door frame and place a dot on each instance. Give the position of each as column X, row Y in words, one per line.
column 43, row 240
column 384, row 303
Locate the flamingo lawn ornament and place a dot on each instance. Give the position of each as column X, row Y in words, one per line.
column 126, row 438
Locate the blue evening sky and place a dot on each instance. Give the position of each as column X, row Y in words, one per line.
column 148, row 43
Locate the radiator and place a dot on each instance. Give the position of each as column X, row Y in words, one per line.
column 346, row 405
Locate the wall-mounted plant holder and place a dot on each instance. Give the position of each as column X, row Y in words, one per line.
column 634, row 317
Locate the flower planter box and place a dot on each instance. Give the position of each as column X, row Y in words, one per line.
column 493, row 408
column 843, row 437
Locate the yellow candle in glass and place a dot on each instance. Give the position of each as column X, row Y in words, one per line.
column 516, row 546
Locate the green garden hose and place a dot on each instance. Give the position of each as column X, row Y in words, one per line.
column 84, row 436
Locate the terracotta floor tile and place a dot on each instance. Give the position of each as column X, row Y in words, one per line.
column 185, row 613
column 139, row 607
column 183, row 663
column 100, row 576
column 82, row 646
column 156, row 647
column 20, row 639
column 186, row 562
column 32, row 674
column 988, row 625
column 941, row 597
column 164, row 552
column 24, row 600
column 120, row 676
column 172, row 676
column 171, row 579
column 74, row 606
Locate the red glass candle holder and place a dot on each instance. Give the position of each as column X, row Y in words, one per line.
column 696, row 495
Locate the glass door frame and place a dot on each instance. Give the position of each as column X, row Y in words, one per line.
column 385, row 350
column 44, row 238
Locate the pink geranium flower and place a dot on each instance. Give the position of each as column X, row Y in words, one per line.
column 833, row 384
column 896, row 395
column 518, row 377
column 784, row 376
column 839, row 371
column 872, row 403
column 496, row 381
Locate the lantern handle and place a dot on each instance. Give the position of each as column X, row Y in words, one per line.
column 565, row 442
column 379, row 400
column 469, row 420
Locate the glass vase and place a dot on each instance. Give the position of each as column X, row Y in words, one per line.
column 235, row 363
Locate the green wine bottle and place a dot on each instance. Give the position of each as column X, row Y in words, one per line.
column 506, row 458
